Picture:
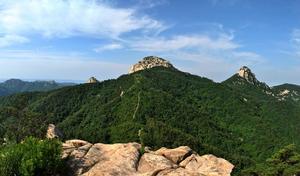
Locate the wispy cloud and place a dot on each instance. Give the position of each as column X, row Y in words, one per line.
column 222, row 42
column 64, row 18
column 296, row 40
column 220, row 45
column 215, row 55
column 112, row 46
column 8, row 40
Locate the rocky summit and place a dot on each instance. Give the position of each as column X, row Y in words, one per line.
column 127, row 159
column 150, row 62
column 247, row 74
column 92, row 80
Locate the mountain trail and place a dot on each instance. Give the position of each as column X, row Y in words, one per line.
column 138, row 105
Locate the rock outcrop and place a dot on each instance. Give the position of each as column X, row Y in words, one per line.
column 92, row 80
column 150, row 62
column 53, row 132
column 86, row 159
column 246, row 73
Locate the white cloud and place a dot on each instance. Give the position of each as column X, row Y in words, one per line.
column 8, row 40
column 246, row 55
column 112, row 46
column 64, row 18
column 162, row 44
column 214, row 55
column 296, row 41
column 198, row 48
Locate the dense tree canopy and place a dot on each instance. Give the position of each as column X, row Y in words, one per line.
column 241, row 123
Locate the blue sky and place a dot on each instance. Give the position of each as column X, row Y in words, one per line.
column 76, row 39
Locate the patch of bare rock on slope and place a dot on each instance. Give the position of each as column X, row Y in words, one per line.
column 125, row 159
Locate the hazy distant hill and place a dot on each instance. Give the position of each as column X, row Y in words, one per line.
column 12, row 86
column 241, row 119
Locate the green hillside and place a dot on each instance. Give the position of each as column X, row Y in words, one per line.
column 4, row 91
column 237, row 120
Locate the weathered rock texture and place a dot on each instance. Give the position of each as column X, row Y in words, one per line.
column 53, row 132
column 246, row 73
column 92, row 80
column 87, row 159
column 150, row 62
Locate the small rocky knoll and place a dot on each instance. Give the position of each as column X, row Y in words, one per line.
column 126, row 159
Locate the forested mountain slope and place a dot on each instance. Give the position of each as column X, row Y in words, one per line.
column 240, row 120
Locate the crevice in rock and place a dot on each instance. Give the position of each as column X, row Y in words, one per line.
column 138, row 160
column 185, row 156
column 82, row 160
column 87, row 151
column 158, row 171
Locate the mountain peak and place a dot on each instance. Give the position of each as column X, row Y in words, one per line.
column 150, row 62
column 92, row 80
column 13, row 80
column 247, row 74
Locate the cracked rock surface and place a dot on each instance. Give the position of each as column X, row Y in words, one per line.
column 86, row 159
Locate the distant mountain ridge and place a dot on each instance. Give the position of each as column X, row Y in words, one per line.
column 245, row 81
column 12, row 86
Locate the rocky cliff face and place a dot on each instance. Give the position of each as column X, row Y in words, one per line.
column 246, row 73
column 150, row 62
column 86, row 159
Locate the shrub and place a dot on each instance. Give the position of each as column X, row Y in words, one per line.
column 31, row 157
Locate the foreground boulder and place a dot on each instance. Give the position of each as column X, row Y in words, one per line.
column 86, row 159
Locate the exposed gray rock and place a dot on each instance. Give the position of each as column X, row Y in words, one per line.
column 150, row 62
column 86, row 159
